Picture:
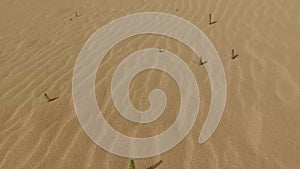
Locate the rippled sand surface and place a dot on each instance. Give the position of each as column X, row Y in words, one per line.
column 39, row 45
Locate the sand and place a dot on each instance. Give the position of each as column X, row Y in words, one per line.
column 41, row 40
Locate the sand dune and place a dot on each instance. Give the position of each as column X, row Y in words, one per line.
column 40, row 42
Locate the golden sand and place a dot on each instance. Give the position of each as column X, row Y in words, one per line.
column 39, row 45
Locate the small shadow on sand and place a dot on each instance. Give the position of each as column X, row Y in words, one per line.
column 77, row 15
column 202, row 62
column 160, row 50
column 213, row 22
column 50, row 99
column 155, row 165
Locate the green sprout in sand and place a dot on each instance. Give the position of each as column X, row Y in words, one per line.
column 132, row 166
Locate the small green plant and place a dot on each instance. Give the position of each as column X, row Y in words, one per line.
column 233, row 56
column 132, row 166
column 210, row 20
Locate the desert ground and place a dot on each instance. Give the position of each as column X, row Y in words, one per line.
column 41, row 40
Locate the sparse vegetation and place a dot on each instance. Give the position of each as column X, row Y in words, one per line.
column 132, row 166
